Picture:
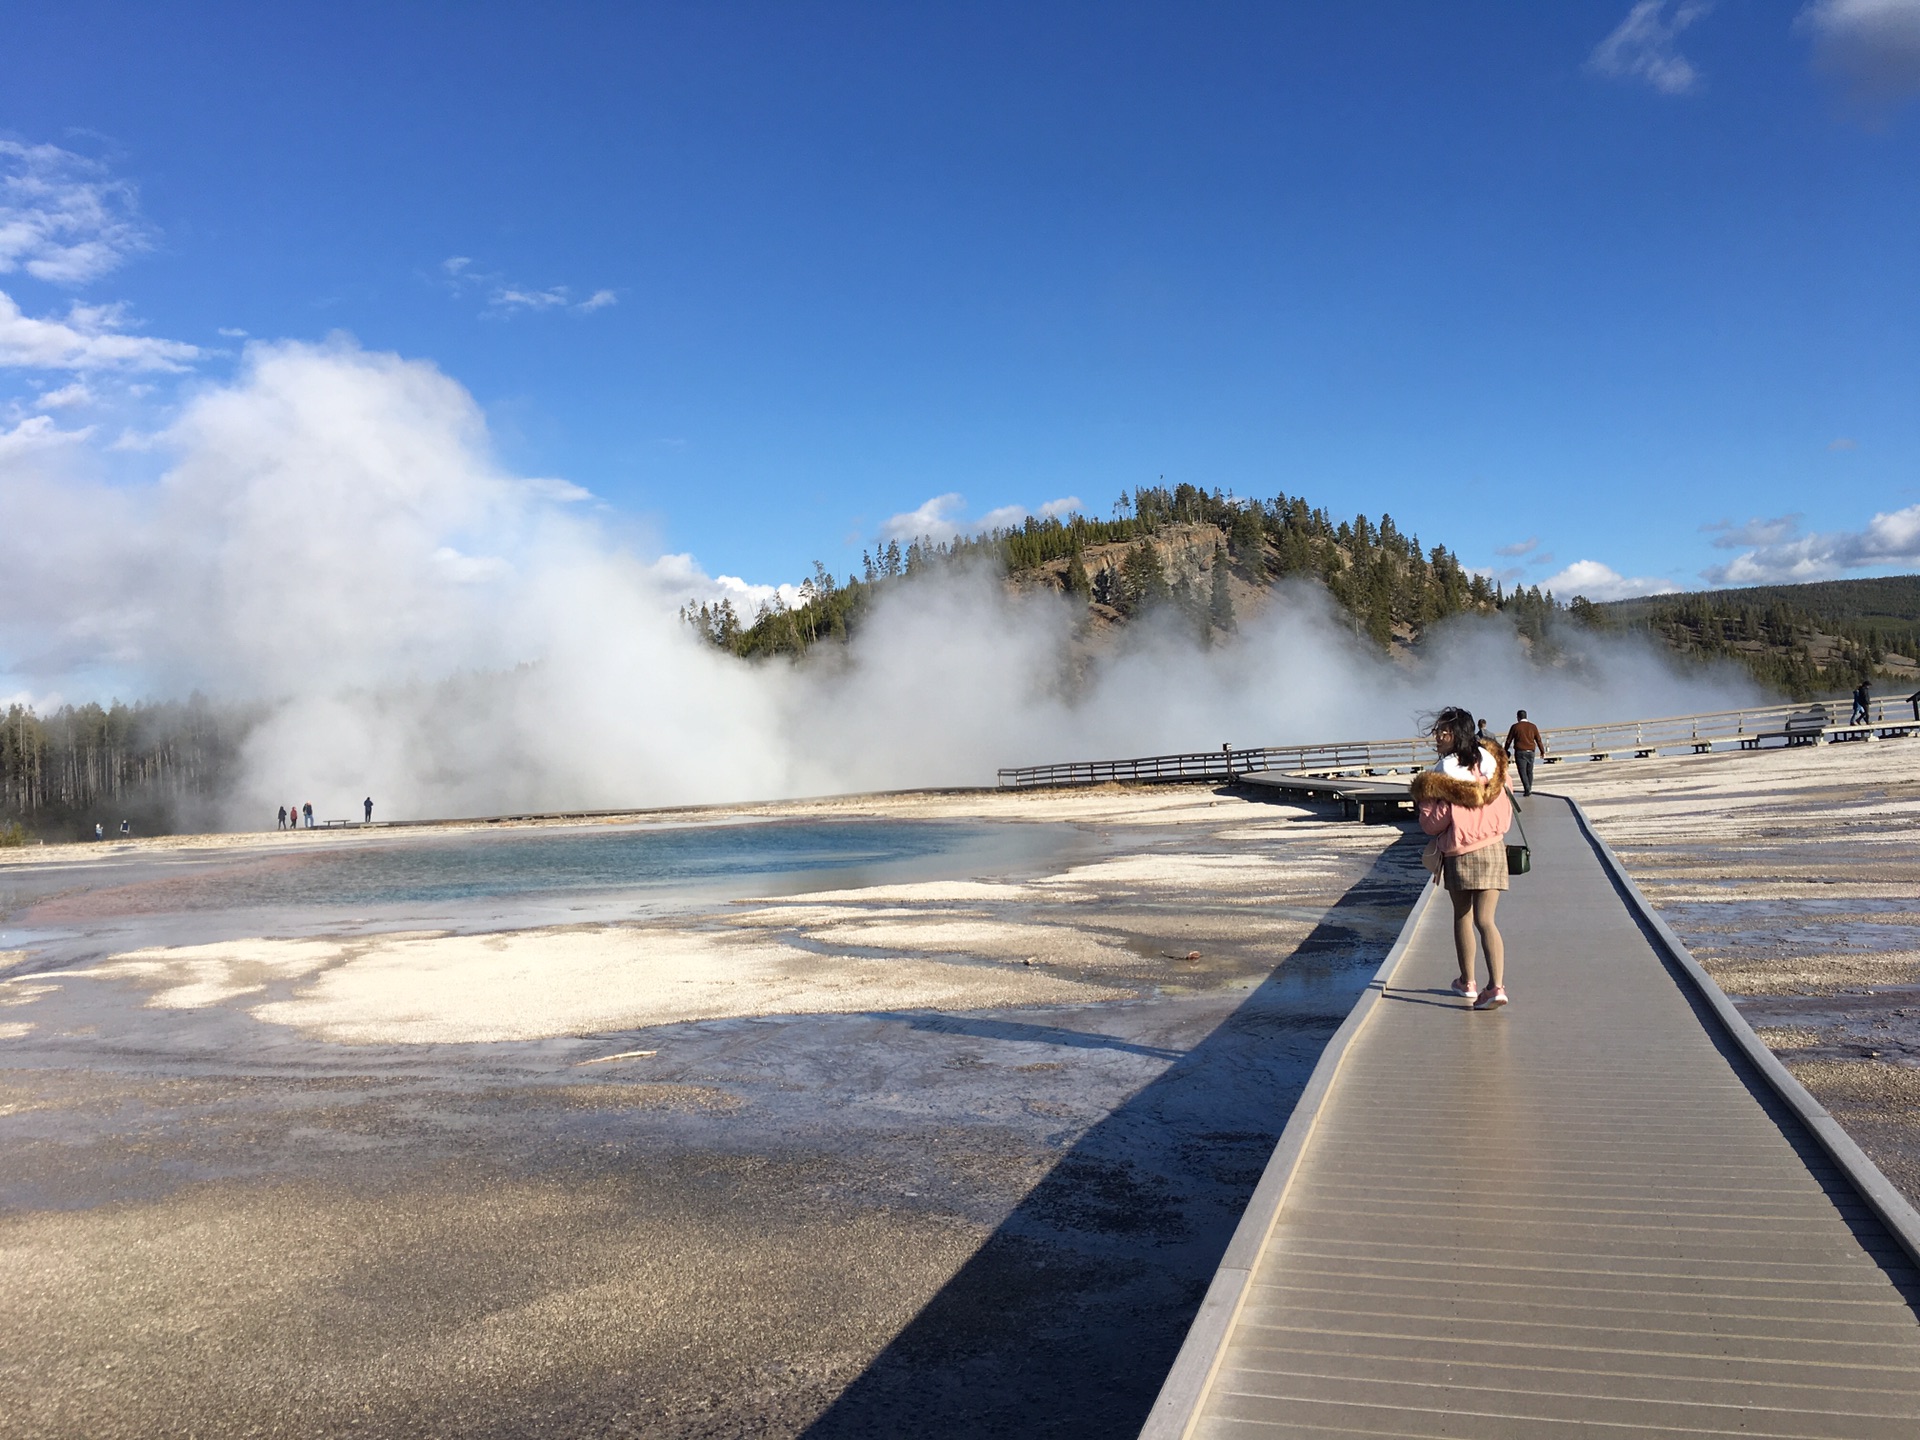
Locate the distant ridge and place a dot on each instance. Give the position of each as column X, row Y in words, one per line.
column 1821, row 636
column 1891, row 602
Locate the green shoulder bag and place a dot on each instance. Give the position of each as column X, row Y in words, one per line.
column 1519, row 857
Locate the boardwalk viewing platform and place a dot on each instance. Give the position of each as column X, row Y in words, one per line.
column 1603, row 1211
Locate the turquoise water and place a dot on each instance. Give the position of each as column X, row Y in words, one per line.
column 648, row 863
column 69, row 910
column 802, row 854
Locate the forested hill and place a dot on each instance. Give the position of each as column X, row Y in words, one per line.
column 1208, row 559
column 1804, row 639
column 1205, row 558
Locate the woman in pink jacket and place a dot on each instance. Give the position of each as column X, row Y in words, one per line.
column 1463, row 804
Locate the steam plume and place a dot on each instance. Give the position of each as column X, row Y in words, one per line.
column 335, row 538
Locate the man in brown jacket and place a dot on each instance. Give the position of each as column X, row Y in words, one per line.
column 1525, row 744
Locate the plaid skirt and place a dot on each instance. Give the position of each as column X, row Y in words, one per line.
column 1482, row 869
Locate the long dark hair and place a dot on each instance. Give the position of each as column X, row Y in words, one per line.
column 1460, row 729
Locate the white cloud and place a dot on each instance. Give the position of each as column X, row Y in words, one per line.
column 1642, row 47
column 683, row 575
column 1729, row 536
column 92, row 337
column 1519, row 547
column 561, row 492
column 1003, row 517
column 233, row 332
column 937, row 519
column 66, row 397
column 37, row 433
column 506, row 297
column 1872, row 46
column 1602, row 582
column 1889, row 538
column 63, row 219
column 942, row 519
column 510, row 297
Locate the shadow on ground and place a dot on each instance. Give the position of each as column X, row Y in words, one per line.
column 1067, row 1319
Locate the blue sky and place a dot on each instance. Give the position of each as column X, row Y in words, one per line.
column 1551, row 284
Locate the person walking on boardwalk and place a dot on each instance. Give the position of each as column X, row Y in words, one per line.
column 1525, row 744
column 1862, row 702
column 307, row 811
column 368, row 802
column 283, row 817
column 1463, row 804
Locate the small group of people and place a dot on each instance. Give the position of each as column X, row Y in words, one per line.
column 1465, row 804
column 292, row 817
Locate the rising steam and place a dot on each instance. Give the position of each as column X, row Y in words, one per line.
column 334, row 537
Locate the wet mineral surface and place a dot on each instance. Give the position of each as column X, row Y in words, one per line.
column 941, row 1154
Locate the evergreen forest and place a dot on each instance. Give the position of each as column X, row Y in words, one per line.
column 1805, row 640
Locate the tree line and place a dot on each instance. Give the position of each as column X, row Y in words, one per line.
column 64, row 772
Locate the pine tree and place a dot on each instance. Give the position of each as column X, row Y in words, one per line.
column 1077, row 581
column 1380, row 618
column 1143, row 580
column 1220, row 603
column 1248, row 539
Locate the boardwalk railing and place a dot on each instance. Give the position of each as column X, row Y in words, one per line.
column 1374, row 757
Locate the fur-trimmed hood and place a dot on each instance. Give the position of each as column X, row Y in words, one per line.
column 1435, row 785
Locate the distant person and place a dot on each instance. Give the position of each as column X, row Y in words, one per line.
column 293, row 816
column 368, row 802
column 1481, row 735
column 1861, row 697
column 1463, row 804
column 1525, row 744
column 126, row 828
column 307, row 810
column 283, row 817
column 99, row 831
column 1914, row 700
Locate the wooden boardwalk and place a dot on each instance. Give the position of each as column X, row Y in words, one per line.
column 1586, row 1215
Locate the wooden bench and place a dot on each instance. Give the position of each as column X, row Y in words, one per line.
column 1702, row 747
column 1799, row 730
column 1836, row 734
